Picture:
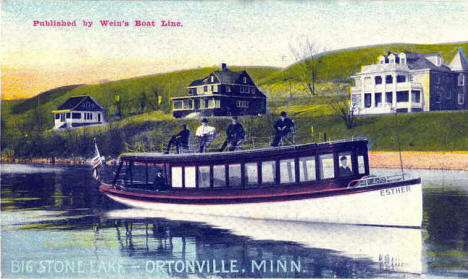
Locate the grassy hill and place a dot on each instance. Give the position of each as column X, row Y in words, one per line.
column 24, row 121
column 339, row 65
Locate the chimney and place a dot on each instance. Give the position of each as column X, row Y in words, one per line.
column 223, row 66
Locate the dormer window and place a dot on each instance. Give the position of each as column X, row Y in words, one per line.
column 244, row 79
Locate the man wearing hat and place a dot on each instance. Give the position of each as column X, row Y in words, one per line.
column 234, row 135
column 283, row 127
column 205, row 135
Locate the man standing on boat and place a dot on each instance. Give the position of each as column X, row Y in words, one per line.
column 283, row 127
column 205, row 135
column 179, row 140
column 234, row 135
column 344, row 169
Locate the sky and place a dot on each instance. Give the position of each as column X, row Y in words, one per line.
column 247, row 33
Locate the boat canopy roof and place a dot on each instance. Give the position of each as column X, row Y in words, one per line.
column 267, row 152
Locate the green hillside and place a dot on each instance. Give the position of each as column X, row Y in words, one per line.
column 26, row 123
column 339, row 65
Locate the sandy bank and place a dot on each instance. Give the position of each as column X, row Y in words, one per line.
column 420, row 160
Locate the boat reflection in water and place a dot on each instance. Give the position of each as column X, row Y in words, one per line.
column 268, row 248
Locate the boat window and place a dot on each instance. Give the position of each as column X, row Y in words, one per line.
column 287, row 171
column 176, row 177
column 189, row 177
column 251, row 173
column 346, row 165
column 235, row 175
column 268, row 172
column 204, row 177
column 327, row 168
column 307, row 168
column 219, row 176
column 361, row 164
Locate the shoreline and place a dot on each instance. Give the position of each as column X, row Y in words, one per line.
column 432, row 160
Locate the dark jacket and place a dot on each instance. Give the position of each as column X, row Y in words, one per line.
column 285, row 125
column 235, row 131
column 183, row 137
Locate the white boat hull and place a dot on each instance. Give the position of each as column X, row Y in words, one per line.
column 396, row 206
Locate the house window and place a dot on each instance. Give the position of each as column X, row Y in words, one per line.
column 461, row 98
column 219, row 176
column 411, row 78
column 178, row 105
column 378, row 80
column 212, row 88
column 205, row 88
column 212, row 78
column 403, row 61
column 76, row 115
column 68, row 115
column 389, row 97
column 438, row 97
column 244, row 79
column 57, row 116
column 307, row 168
column 268, row 172
column 401, row 78
column 415, row 96
column 188, row 104
column 203, row 177
column 228, row 88
column 388, row 79
column 287, row 171
column 251, row 173
column 242, row 104
column 461, row 79
column 437, row 79
column 449, row 95
column 252, row 90
column 378, row 99
column 235, row 175
column 327, row 166
column 367, row 100
column 402, row 96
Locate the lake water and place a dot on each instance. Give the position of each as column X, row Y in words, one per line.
column 55, row 224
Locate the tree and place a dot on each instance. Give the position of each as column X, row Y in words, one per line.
column 143, row 101
column 340, row 103
column 309, row 65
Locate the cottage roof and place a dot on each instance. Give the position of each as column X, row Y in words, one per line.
column 224, row 76
column 459, row 61
column 73, row 102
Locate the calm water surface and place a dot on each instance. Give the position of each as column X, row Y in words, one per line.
column 55, row 224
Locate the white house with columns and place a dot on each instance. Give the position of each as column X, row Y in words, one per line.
column 406, row 82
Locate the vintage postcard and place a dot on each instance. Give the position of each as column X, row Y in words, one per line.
column 234, row 139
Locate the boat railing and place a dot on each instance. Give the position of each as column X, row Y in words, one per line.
column 251, row 142
column 369, row 181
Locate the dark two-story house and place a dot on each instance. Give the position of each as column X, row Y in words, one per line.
column 222, row 93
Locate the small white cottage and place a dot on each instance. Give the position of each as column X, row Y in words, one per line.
column 78, row 112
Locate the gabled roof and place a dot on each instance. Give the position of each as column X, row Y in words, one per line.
column 74, row 102
column 459, row 61
column 225, row 76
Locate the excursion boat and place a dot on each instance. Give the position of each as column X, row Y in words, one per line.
column 318, row 182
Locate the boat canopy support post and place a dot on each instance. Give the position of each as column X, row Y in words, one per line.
column 117, row 173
